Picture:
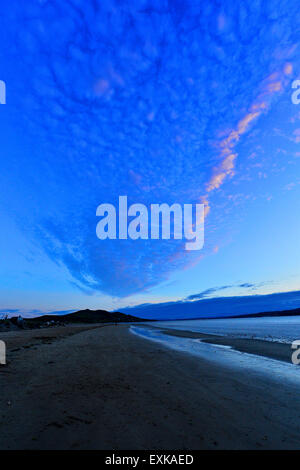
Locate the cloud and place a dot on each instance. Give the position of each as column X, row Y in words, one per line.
column 225, row 168
column 206, row 293
column 213, row 290
column 149, row 102
column 247, row 285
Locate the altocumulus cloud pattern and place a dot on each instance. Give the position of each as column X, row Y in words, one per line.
column 150, row 99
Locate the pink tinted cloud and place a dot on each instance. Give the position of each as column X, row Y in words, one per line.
column 273, row 84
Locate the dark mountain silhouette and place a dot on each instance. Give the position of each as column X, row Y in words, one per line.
column 259, row 305
column 276, row 313
column 86, row 316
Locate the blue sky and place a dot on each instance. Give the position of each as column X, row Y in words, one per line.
column 162, row 101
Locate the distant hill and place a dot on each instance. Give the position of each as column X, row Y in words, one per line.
column 260, row 305
column 86, row 316
column 276, row 313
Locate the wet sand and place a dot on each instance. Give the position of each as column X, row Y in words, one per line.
column 104, row 388
column 273, row 350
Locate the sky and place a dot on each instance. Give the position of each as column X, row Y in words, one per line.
column 165, row 102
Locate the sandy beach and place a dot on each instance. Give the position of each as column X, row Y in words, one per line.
column 101, row 387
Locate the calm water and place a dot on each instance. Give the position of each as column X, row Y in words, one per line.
column 282, row 329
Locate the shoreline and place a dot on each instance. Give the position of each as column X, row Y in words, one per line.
column 258, row 347
column 106, row 388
